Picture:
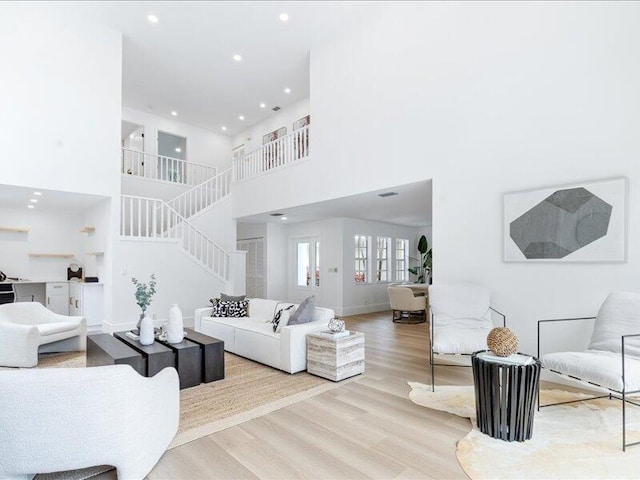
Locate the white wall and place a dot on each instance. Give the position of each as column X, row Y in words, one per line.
column 217, row 223
column 48, row 233
column 143, row 187
column 484, row 98
column 60, row 92
column 251, row 138
column 180, row 281
column 203, row 146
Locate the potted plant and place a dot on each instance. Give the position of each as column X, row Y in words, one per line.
column 144, row 294
column 423, row 269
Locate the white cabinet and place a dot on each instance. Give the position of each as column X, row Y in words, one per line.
column 57, row 297
column 85, row 300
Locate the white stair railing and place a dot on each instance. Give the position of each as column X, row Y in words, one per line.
column 150, row 218
column 283, row 151
column 202, row 196
column 168, row 169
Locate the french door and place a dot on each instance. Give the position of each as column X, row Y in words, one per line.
column 305, row 268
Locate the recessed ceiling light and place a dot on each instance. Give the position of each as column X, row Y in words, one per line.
column 283, row 218
column 34, row 200
column 237, row 58
column 284, row 17
column 241, row 117
column 152, row 18
column 224, row 129
column 37, row 193
column 263, row 105
column 287, row 90
column 174, row 113
column 178, row 149
column 387, row 194
column 31, row 206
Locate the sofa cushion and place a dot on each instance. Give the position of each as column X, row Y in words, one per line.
column 261, row 308
column 56, row 327
column 283, row 315
column 304, row 313
column 619, row 315
column 459, row 336
column 231, row 298
column 230, row 309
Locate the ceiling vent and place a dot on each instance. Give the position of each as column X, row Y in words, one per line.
column 387, row 194
column 276, row 214
column 275, row 109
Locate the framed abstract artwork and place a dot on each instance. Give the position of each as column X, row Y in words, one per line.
column 585, row 222
column 302, row 122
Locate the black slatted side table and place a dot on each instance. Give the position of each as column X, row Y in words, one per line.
column 506, row 397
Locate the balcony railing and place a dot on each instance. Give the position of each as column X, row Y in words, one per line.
column 279, row 153
column 168, row 169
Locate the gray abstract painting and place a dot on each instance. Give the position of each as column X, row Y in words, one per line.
column 562, row 223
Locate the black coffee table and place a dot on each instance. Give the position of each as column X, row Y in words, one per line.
column 198, row 359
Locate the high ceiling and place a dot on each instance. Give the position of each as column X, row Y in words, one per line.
column 184, row 62
column 51, row 201
column 411, row 207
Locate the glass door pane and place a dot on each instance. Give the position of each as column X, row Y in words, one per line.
column 303, row 264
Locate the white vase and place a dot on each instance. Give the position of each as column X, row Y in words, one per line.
column 146, row 330
column 175, row 328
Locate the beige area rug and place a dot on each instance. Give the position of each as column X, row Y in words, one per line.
column 576, row 441
column 248, row 391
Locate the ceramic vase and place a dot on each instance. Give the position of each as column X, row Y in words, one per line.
column 146, row 331
column 175, row 328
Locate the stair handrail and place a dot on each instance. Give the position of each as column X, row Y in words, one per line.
column 136, row 169
column 219, row 193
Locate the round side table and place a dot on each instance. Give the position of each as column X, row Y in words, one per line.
column 506, row 397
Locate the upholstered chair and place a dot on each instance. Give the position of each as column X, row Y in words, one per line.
column 407, row 307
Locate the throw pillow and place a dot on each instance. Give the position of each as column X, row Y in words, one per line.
column 230, row 309
column 304, row 313
column 214, row 301
column 230, row 298
column 281, row 319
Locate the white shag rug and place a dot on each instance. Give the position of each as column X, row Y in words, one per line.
column 576, row 441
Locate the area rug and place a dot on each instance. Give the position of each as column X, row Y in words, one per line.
column 575, row 441
column 249, row 390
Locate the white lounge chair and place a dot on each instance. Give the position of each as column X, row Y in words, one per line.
column 29, row 327
column 460, row 321
column 612, row 359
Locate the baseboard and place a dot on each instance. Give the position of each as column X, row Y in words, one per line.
column 121, row 327
column 361, row 309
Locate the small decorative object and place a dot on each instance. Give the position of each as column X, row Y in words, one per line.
column 502, row 342
column 336, row 325
column 147, row 335
column 175, row 328
column 74, row 271
column 144, row 294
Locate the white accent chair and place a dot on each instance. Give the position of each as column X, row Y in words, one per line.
column 406, row 305
column 460, row 321
column 612, row 359
column 59, row 419
column 29, row 327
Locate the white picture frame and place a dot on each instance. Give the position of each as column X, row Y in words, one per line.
column 582, row 222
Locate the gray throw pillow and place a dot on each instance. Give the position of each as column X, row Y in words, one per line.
column 304, row 313
column 230, row 298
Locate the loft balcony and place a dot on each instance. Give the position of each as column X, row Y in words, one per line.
column 165, row 169
column 280, row 153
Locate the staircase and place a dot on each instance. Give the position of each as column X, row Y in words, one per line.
column 154, row 219
column 203, row 195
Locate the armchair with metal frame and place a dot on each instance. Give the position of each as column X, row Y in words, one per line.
column 460, row 322
column 604, row 364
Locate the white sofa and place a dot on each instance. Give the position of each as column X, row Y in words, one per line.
column 29, row 327
column 253, row 336
column 58, row 419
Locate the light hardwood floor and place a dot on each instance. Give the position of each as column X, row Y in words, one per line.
column 365, row 429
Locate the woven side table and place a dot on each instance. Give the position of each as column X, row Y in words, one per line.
column 505, row 398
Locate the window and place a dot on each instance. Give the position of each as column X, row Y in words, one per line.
column 362, row 258
column 303, row 270
column 402, row 259
column 382, row 259
column 317, row 264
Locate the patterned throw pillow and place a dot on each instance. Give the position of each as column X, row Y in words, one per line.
column 281, row 319
column 230, row 298
column 230, row 309
column 214, row 301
